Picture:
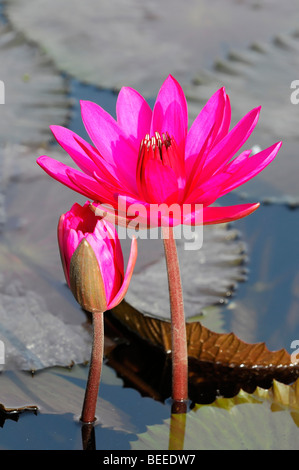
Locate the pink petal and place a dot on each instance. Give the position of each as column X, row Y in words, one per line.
column 160, row 182
column 147, row 215
column 103, row 249
column 129, row 211
column 98, row 192
column 208, row 192
column 60, row 237
column 132, row 213
column 212, row 123
column 170, row 114
column 68, row 140
column 114, row 240
column 106, row 231
column 110, row 140
column 225, row 122
column 242, row 171
column 102, row 167
column 110, row 214
column 113, row 188
column 133, row 115
column 231, row 143
column 59, row 172
column 85, row 155
column 217, row 215
column 175, row 159
column 129, row 272
column 71, row 242
column 237, row 162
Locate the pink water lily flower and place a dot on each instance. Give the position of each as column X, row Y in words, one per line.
column 149, row 157
column 92, row 259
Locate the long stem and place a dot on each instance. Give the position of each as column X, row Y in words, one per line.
column 178, row 325
column 95, row 369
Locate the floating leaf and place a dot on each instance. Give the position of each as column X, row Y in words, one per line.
column 262, row 75
column 59, row 391
column 33, row 337
column 210, row 274
column 29, row 254
column 218, row 363
column 221, row 426
column 35, row 94
column 39, row 324
column 135, row 43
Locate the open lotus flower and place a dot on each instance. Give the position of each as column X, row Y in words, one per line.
column 92, row 259
column 149, row 157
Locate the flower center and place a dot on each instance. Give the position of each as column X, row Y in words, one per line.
column 158, row 144
column 160, row 171
column 162, row 148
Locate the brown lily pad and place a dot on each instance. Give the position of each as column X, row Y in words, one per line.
column 218, row 363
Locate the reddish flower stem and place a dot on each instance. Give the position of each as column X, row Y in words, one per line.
column 178, row 325
column 95, row 369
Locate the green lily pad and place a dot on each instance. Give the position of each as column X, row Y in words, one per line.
column 244, row 422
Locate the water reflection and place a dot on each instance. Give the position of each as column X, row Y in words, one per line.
column 88, row 437
column 177, row 429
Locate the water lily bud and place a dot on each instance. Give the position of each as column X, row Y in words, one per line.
column 92, row 259
column 86, row 281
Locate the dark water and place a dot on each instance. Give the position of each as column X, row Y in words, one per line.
column 44, row 431
column 271, row 234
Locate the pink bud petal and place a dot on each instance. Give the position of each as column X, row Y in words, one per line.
column 127, row 279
